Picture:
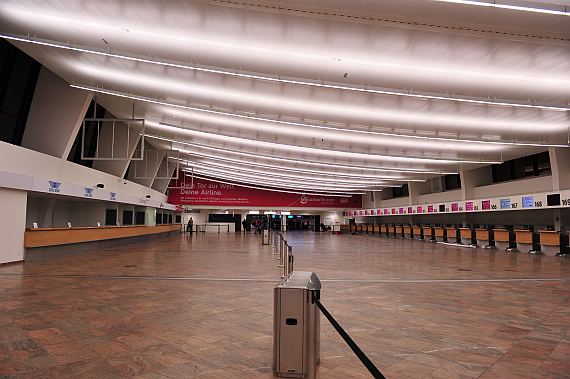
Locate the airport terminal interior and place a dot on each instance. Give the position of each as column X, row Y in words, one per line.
column 262, row 189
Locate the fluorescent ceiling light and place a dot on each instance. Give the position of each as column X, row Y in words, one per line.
column 282, row 182
column 524, row 6
column 277, row 186
column 304, row 162
column 308, row 125
column 331, row 177
column 253, row 212
column 296, row 81
column 343, row 153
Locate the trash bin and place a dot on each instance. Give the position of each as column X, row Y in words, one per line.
column 296, row 326
column 265, row 237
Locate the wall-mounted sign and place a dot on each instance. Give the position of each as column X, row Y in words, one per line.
column 393, row 211
column 486, row 204
column 469, row 206
column 385, row 211
column 420, row 210
column 430, row 208
column 454, row 207
column 528, row 202
column 505, row 203
column 401, row 211
column 372, row 212
column 410, row 210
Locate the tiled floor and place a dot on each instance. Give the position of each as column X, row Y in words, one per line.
column 155, row 310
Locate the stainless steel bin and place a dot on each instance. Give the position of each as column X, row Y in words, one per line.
column 265, row 237
column 296, row 326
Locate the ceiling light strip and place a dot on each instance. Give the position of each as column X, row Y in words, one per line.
column 209, row 158
column 314, row 149
column 281, row 178
column 317, row 126
column 565, row 10
column 274, row 187
column 281, row 79
column 300, row 161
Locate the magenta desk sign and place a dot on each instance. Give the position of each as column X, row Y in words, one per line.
column 420, row 210
column 410, row 210
column 469, row 206
column 454, row 207
column 430, row 208
column 486, row 204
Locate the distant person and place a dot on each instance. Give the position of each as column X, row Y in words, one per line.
column 190, row 225
column 244, row 224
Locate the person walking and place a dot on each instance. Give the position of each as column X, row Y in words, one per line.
column 244, row 224
column 190, row 225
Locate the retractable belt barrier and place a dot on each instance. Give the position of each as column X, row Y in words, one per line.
column 363, row 358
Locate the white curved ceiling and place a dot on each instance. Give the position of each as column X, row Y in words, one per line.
column 360, row 89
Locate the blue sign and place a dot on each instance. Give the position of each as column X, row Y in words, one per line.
column 505, row 203
column 54, row 186
column 528, row 202
column 88, row 192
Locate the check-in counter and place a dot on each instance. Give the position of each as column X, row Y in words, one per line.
column 345, row 229
column 370, row 229
column 427, row 233
column 384, row 230
column 391, row 232
column 47, row 243
column 484, row 237
column 504, row 239
column 526, row 241
column 417, row 232
column 549, row 242
column 398, row 231
column 439, row 234
column 359, row 228
column 376, row 229
column 466, row 236
column 452, row 235
column 408, row 233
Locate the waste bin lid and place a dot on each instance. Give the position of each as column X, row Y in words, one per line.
column 301, row 279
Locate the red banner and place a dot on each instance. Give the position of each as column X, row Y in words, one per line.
column 206, row 192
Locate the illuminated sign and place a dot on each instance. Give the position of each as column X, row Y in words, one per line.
column 469, row 206
column 528, row 202
column 505, row 203
column 430, row 208
column 420, row 210
column 486, row 204
column 454, row 207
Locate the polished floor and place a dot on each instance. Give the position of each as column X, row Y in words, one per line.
column 201, row 307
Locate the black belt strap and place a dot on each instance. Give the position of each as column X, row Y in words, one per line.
column 363, row 358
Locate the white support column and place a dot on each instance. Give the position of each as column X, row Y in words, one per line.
column 55, row 116
column 560, row 163
column 12, row 226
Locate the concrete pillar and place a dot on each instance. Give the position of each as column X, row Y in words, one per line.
column 55, row 116
column 13, row 224
column 559, row 163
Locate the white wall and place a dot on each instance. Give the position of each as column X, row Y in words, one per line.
column 24, row 161
column 515, row 187
column 439, row 197
column 13, row 205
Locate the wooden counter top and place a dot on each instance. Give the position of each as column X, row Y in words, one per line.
column 399, row 229
column 407, row 230
column 501, row 235
column 61, row 236
column 465, row 233
column 383, row 228
column 451, row 232
column 482, row 234
column 549, row 237
column 523, row 236
column 439, row 232
column 418, row 230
